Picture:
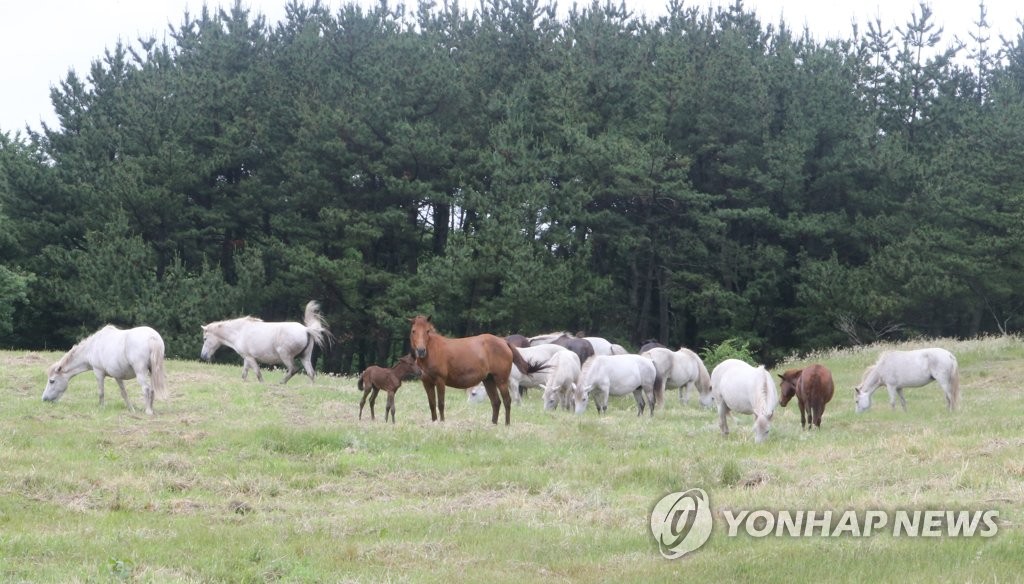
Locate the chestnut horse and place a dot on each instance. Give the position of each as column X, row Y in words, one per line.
column 463, row 363
column 376, row 378
column 813, row 388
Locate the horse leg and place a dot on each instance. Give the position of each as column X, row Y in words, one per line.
column 723, row 412
column 362, row 402
column 147, row 392
column 516, row 391
column 892, row 396
column 99, row 380
column 307, row 362
column 800, row 402
column 506, row 398
column 638, row 396
column 390, row 407
column 256, row 366
column 431, row 399
column 250, row 363
column 373, row 402
column 440, row 400
column 289, row 363
column 291, row 370
column 128, row 402
column 948, row 392
column 492, row 394
column 903, row 401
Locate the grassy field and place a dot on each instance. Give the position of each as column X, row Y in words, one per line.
column 242, row 482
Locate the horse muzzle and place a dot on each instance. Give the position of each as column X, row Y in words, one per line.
column 421, row 353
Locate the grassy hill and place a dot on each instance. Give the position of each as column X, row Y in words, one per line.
column 242, row 482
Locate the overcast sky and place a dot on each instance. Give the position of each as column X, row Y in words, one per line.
column 41, row 40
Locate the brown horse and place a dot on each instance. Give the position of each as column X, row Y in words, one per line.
column 464, row 363
column 376, row 378
column 813, row 388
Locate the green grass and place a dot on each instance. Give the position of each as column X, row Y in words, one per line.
column 242, row 482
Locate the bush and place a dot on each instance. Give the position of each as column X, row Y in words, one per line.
column 727, row 349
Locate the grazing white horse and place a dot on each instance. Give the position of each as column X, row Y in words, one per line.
column 561, row 385
column 683, row 369
column 517, row 380
column 112, row 352
column 616, row 375
column 272, row 343
column 742, row 388
column 898, row 369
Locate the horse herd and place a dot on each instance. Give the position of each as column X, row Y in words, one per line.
column 570, row 369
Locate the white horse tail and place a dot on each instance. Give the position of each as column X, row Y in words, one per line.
column 157, row 375
column 766, row 402
column 659, row 388
column 703, row 377
column 316, row 326
column 954, row 385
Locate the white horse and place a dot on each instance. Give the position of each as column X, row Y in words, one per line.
column 898, row 369
column 517, row 380
column 616, row 375
column 601, row 345
column 561, row 385
column 683, row 369
column 112, row 352
column 742, row 388
column 272, row 343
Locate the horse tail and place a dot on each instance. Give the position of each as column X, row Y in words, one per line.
column 659, row 388
column 766, row 404
column 524, row 366
column 316, row 325
column 954, row 386
column 703, row 377
column 157, row 375
column 359, row 383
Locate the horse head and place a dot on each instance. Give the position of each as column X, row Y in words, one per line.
column 551, row 399
column 787, row 388
column 861, row 399
column 211, row 342
column 418, row 335
column 581, row 396
column 56, row 383
column 406, row 367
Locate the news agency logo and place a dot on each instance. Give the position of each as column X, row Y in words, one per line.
column 681, row 523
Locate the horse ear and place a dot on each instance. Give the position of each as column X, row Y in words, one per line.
column 430, row 319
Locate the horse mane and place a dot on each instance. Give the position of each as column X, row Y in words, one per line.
column 868, row 372
column 247, row 318
column 552, row 336
column 586, row 368
column 74, row 350
column 64, row 359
